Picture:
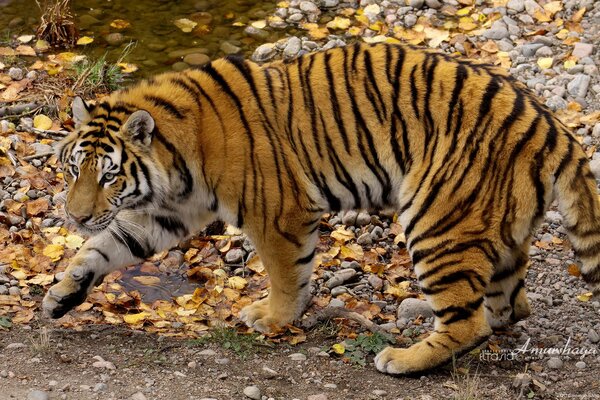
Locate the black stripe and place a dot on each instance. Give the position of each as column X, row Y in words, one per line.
column 172, row 224
column 337, row 115
column 139, row 250
column 103, row 254
column 306, row 259
column 164, row 104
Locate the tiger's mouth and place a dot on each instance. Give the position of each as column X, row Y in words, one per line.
column 94, row 228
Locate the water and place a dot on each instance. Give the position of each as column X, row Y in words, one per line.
column 159, row 43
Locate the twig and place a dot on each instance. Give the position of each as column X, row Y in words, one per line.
column 45, row 133
column 329, row 313
column 18, row 109
column 40, row 155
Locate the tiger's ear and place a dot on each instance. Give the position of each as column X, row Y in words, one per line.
column 81, row 112
column 139, row 127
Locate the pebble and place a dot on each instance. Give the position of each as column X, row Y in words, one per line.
column 37, row 395
column 593, row 336
column 363, row 219
column 292, row 48
column 435, row 4
column 365, row 239
column 379, row 393
column 15, row 73
column 555, row 363
column 196, row 59
column 309, row 7
column 12, row 346
column 230, row 48
column 336, row 303
column 270, row 373
column 412, row 308
column 497, row 31
column 252, row 392
column 138, row 396
column 580, row 364
column 114, row 39
column 339, row 277
column 581, row 50
column 207, row 353
column 320, row 396
column 297, row 357
column 264, row 52
column 100, row 387
column 234, row 256
column 14, row 291
column 349, row 218
column 579, row 85
column 375, row 282
column 331, row 386
column 222, row 361
column 410, row 20
column 516, row 5
column 416, row 4
column 595, row 167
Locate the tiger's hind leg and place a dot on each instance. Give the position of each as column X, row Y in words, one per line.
column 505, row 296
column 453, row 278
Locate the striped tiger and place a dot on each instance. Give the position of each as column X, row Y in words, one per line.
column 468, row 157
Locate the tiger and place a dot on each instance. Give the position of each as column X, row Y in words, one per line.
column 467, row 157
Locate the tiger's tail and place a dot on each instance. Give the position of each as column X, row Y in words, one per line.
column 578, row 201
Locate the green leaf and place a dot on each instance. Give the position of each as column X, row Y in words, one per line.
column 5, row 322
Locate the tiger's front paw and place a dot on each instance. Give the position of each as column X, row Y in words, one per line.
column 259, row 316
column 70, row 292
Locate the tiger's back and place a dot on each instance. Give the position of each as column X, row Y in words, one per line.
column 467, row 156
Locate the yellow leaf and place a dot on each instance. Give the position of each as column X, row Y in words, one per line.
column 147, row 280
column 84, row 40
column 570, row 64
column 585, row 297
column 128, row 68
column 19, row 275
column 375, row 39
column 339, row 23
column 545, row 62
column 41, row 279
column 42, row 122
column 542, row 16
column 186, row 25
column 342, row 235
column 237, row 282
column 553, row 7
column 437, row 36
column 25, row 38
column 134, row 319
column 120, row 24
column 466, row 24
column 339, row 348
column 73, row 242
column 399, row 291
column 464, row 12
column 578, row 16
column 54, row 251
column 562, row 34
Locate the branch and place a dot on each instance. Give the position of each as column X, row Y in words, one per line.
column 329, row 313
column 17, row 109
column 41, row 155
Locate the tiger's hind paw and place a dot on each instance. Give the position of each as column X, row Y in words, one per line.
column 259, row 316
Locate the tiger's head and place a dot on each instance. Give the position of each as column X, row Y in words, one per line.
column 103, row 163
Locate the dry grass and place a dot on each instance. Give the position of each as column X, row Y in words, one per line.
column 40, row 343
column 56, row 25
column 466, row 384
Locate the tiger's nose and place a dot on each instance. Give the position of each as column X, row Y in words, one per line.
column 81, row 219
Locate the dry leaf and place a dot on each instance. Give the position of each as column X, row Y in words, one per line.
column 37, row 207
column 120, row 24
column 25, row 51
column 237, row 282
column 54, row 251
column 186, row 25
column 338, row 348
column 134, row 319
column 574, row 270
column 585, row 296
column 147, row 280
column 42, row 122
column 85, row 40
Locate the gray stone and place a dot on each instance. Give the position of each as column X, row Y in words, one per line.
column 516, row 5
column 364, row 239
column 196, row 59
column 309, row 7
column 252, row 392
column 86, row 21
column 16, row 345
column 544, row 51
column 531, row 6
column 3, row 290
column 230, row 48
column 579, row 85
column 596, row 131
column 375, row 281
column 292, row 47
column 100, row 387
column 15, row 73
column 333, row 303
column 14, row 291
column 556, row 102
column 340, row 277
column 138, row 396
column 207, row 353
column 505, row 45
column 37, row 395
column 349, row 218
column 234, row 256
column 497, row 31
column 180, row 66
column 114, row 39
column 580, row 364
column 416, row 4
column 329, row 3
column 593, row 336
column 297, row 357
column 581, row 50
column 264, row 52
column 320, row 396
column 555, row 363
column 363, row 219
column 435, row 4
column 336, row 291
column 256, row 33
column 412, row 308
column 410, row 20
column 41, row 148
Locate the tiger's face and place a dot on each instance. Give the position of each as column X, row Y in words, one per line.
column 102, row 163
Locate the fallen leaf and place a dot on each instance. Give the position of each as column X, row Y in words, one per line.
column 578, row 16
column 574, row 270
column 342, row 235
column 41, row 279
column 42, row 122
column 553, row 7
column 37, row 207
column 25, row 51
column 128, row 68
column 237, row 282
column 120, row 24
column 11, row 93
column 25, row 38
column 186, row 25
column 19, row 274
column 54, row 251
column 85, row 40
column 147, row 280
column 73, row 242
column 339, row 23
column 585, row 296
column 134, row 319
column 338, row 348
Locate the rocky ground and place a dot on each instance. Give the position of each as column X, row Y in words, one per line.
column 550, row 46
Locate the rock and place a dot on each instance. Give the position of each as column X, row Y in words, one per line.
column 222, row 361
column 363, row 219
column 291, row 49
column 230, row 48
column 5, row 126
column 579, row 85
column 580, row 364
column 320, row 396
column 516, row 5
column 379, row 393
column 37, row 395
column 375, row 282
column 581, row 50
column 264, row 52
column 16, row 74
column 207, row 353
column 435, row 4
column 531, row 6
column 336, row 303
column 416, row 4
column 544, row 51
column 410, row 20
column 100, row 387
column 4, row 291
column 349, row 218
column 412, row 308
column 340, row 277
column 336, row 291
column 234, row 256
column 196, row 59
column 555, row 363
column 86, row 21
column 593, row 336
column 364, row 239
column 297, row 357
column 497, row 31
column 14, row 291
column 114, row 39
column 17, row 345
column 556, row 102
column 270, row 373
column 41, row 148
column 329, row 3
column 138, row 396
column 309, row 7
column 252, row 392
column 102, row 363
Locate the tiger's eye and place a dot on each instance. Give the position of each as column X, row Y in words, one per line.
column 108, row 176
column 74, row 170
